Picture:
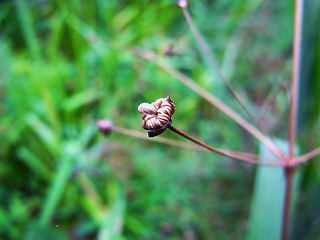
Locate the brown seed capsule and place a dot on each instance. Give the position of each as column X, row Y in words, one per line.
column 157, row 114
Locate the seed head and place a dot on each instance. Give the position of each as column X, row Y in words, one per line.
column 157, row 116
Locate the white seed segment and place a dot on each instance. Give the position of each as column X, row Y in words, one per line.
column 146, row 108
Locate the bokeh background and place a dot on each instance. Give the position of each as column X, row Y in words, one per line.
column 66, row 64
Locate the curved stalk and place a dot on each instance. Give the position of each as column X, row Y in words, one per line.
column 142, row 135
column 243, row 158
column 201, row 146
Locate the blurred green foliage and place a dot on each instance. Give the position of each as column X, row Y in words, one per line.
column 65, row 64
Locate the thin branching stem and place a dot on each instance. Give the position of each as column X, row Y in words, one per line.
column 214, row 63
column 224, row 153
column 295, row 76
column 306, row 157
column 290, row 172
column 256, row 159
column 214, row 101
column 251, row 157
column 142, row 135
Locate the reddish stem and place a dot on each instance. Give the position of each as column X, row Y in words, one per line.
column 233, row 155
column 307, row 156
column 295, row 76
column 289, row 173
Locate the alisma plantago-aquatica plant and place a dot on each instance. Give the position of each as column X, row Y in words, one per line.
column 158, row 116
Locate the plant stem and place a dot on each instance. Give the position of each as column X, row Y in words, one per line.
column 306, row 156
column 214, row 63
column 142, row 135
column 289, row 173
column 295, row 76
column 224, row 153
column 217, row 103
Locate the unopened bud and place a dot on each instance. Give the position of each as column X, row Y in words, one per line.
column 182, row 3
column 105, row 126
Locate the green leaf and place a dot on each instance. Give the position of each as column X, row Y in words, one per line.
column 59, row 182
column 268, row 199
column 34, row 163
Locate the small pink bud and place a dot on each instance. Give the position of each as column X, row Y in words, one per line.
column 182, row 3
column 105, row 126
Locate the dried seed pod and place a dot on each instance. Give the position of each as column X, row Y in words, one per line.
column 157, row 115
column 146, row 109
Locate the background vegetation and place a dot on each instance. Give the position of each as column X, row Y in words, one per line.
column 65, row 64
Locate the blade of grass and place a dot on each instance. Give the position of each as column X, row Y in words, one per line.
column 26, row 23
column 58, row 185
column 34, row 163
column 112, row 226
column 46, row 134
column 91, row 201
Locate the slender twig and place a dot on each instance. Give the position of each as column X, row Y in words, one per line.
column 221, row 152
column 242, row 156
column 142, row 135
column 306, row 157
column 106, row 127
column 295, row 76
column 214, row 101
column 214, row 63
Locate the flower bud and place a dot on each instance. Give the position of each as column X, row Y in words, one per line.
column 182, row 3
column 105, row 126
